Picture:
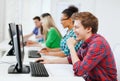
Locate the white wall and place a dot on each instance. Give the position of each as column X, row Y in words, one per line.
column 46, row 6
column 12, row 14
column 2, row 19
column 108, row 13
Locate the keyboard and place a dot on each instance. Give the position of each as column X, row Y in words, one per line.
column 38, row 70
column 34, row 54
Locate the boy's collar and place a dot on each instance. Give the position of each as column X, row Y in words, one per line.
column 90, row 38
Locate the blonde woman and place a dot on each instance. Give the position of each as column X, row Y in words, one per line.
column 51, row 34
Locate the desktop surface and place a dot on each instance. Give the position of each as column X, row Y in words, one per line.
column 56, row 71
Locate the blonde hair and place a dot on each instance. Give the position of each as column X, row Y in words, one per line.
column 47, row 23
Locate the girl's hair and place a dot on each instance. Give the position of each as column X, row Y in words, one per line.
column 47, row 23
column 70, row 10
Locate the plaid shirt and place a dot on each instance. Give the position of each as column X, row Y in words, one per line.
column 96, row 60
column 63, row 44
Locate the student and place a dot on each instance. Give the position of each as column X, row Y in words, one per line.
column 37, row 31
column 67, row 22
column 50, row 32
column 94, row 60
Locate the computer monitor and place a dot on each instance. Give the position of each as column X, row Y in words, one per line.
column 12, row 32
column 19, row 53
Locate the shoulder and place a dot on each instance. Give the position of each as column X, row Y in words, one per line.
column 99, row 40
column 71, row 33
column 52, row 29
column 35, row 28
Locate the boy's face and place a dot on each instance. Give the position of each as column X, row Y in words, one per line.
column 37, row 23
column 80, row 31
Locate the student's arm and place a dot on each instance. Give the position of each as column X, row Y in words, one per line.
column 50, row 50
column 54, row 61
column 71, row 45
column 55, row 50
column 39, row 36
column 47, row 51
column 27, row 36
column 95, row 53
column 59, row 54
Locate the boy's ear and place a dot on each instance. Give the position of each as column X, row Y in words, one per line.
column 89, row 29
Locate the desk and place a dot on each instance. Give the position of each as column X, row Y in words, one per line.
column 57, row 72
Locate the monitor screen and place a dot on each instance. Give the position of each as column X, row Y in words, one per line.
column 19, row 47
column 12, row 32
column 21, row 43
column 12, row 29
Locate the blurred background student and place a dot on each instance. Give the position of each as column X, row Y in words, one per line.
column 37, row 31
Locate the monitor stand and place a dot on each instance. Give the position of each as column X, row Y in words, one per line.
column 10, row 43
column 11, row 52
column 13, row 69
